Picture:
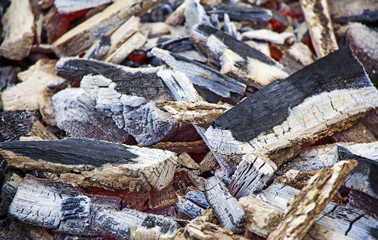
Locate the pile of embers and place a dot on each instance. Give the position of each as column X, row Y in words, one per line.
column 141, row 119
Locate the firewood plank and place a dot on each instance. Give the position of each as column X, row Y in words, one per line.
column 84, row 162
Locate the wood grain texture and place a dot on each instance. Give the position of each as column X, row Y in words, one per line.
column 226, row 208
column 82, row 37
column 41, row 202
column 18, row 27
column 14, row 124
column 320, row 26
column 66, row 7
column 84, row 162
column 235, row 58
column 309, row 104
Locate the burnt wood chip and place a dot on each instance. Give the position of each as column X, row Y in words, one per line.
column 14, row 124
column 270, row 106
column 72, row 151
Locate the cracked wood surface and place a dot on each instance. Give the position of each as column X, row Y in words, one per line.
column 83, row 36
column 236, row 58
column 14, row 124
column 90, row 163
column 226, row 208
column 312, row 103
column 304, row 207
column 320, row 26
column 346, row 220
column 57, row 206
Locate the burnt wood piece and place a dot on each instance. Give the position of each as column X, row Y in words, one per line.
column 82, row 36
column 198, row 198
column 357, row 38
column 18, row 30
column 61, row 207
column 70, row 6
column 226, row 208
column 305, row 207
column 90, row 163
column 40, row 83
column 297, row 57
column 8, row 190
column 229, row 27
column 320, row 26
column 195, row 14
column 99, row 48
column 263, row 218
column 195, row 204
column 14, row 124
column 358, row 133
column 8, row 77
column 365, row 176
column 269, row 36
column 316, row 101
column 142, row 82
column 343, row 11
column 98, row 103
column 349, row 221
column 236, row 58
column 176, row 45
column 249, row 13
column 201, row 75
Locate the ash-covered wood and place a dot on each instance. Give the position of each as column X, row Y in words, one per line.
column 305, row 207
column 84, row 162
column 236, row 58
column 226, row 208
column 195, row 204
column 14, row 124
column 82, row 37
column 201, row 75
column 316, row 101
column 18, row 30
column 343, row 11
column 44, row 203
column 320, row 26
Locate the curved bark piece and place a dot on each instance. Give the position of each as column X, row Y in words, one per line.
column 90, row 163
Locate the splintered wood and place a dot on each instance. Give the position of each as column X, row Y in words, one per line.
column 195, row 119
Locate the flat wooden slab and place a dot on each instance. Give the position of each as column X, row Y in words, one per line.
column 85, row 162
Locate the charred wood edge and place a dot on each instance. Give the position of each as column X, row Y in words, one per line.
column 305, row 207
column 236, row 58
column 346, row 220
column 296, row 57
column 69, row 6
column 182, row 89
column 84, row 162
column 200, row 74
column 8, row 190
column 263, row 218
column 362, row 177
column 8, row 76
column 129, row 81
column 200, row 113
column 14, row 124
column 320, row 26
column 273, row 135
column 176, row 45
column 195, row 204
column 61, row 207
column 18, row 30
column 82, row 37
column 351, row 11
column 358, row 133
column 226, row 208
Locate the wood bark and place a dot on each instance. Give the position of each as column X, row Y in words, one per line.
column 226, row 208
column 295, row 111
column 18, row 30
column 82, row 37
column 320, row 26
column 236, row 58
column 84, row 162
column 63, row 208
